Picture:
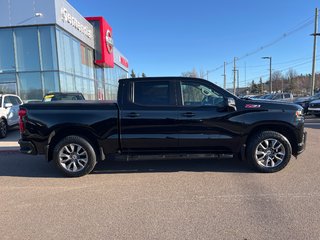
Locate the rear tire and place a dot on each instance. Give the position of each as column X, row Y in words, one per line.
column 268, row 151
column 74, row 156
column 3, row 128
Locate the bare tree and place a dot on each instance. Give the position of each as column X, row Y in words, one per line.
column 277, row 79
column 192, row 74
column 292, row 80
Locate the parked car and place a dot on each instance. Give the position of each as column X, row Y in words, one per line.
column 9, row 108
column 314, row 108
column 305, row 101
column 61, row 96
column 163, row 118
column 284, row 97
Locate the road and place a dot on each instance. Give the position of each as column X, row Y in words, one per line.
column 220, row 199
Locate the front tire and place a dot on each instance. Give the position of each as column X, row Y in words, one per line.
column 268, row 151
column 3, row 128
column 74, row 156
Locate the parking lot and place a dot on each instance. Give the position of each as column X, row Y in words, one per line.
column 220, row 199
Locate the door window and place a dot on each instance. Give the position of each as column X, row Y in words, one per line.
column 195, row 94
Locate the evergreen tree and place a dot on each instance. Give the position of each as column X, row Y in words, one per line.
column 144, row 75
column 254, row 87
column 133, row 75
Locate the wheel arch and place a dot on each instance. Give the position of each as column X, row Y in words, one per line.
column 84, row 132
column 282, row 128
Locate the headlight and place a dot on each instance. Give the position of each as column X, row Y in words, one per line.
column 299, row 113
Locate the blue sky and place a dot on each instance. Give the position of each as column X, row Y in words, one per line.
column 166, row 38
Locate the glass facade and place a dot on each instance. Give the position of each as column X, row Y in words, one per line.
column 41, row 59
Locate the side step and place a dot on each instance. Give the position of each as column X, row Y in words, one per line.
column 147, row 157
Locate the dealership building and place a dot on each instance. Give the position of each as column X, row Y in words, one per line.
column 47, row 46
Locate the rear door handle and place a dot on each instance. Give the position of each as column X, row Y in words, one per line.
column 133, row 115
column 188, row 114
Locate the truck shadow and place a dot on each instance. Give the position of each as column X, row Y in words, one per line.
column 14, row 164
column 194, row 165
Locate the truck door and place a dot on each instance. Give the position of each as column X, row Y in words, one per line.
column 149, row 117
column 204, row 123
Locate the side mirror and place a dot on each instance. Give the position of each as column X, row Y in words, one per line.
column 231, row 103
column 8, row 105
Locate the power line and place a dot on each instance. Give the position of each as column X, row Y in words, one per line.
column 282, row 70
column 295, row 29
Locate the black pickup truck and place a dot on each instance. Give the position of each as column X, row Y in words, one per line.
column 163, row 118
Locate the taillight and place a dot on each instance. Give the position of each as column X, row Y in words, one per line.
column 22, row 114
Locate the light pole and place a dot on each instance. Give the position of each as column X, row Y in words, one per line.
column 315, row 34
column 270, row 79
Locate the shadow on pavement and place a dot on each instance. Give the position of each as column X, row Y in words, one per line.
column 15, row 164
column 196, row 165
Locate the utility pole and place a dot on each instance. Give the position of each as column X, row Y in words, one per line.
column 234, row 75
column 315, row 34
column 270, row 71
column 224, row 76
column 237, row 82
column 207, row 75
column 245, row 75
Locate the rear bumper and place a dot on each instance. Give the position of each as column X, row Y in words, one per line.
column 27, row 147
column 302, row 145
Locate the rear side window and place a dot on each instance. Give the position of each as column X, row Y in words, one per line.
column 7, row 100
column 152, row 93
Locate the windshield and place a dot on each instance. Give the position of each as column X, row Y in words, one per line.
column 268, row 96
column 315, row 97
column 59, row 97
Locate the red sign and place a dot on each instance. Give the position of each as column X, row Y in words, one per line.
column 105, row 42
column 124, row 62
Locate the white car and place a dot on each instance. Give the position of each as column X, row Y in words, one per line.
column 9, row 112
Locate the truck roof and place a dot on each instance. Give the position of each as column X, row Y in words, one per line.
column 162, row 78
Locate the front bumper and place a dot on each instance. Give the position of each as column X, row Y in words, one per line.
column 314, row 110
column 27, row 147
column 302, row 145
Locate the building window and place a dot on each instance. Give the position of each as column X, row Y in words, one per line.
column 66, row 83
column 48, row 48
column 27, row 49
column 30, row 86
column 7, row 63
column 50, row 82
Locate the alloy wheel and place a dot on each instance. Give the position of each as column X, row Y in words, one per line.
column 270, row 153
column 73, row 157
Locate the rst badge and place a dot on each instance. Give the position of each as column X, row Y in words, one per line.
column 252, row 106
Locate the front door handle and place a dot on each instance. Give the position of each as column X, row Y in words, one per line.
column 133, row 115
column 188, row 114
